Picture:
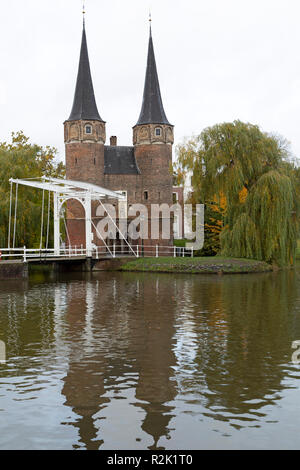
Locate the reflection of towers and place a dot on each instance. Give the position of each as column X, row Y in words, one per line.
column 98, row 335
column 117, row 336
column 83, row 384
column 156, row 386
column 137, row 312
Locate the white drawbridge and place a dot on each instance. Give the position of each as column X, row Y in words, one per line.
column 85, row 193
column 64, row 190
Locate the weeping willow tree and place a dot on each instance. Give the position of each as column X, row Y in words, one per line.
column 20, row 159
column 250, row 169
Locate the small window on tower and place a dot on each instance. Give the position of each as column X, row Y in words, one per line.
column 88, row 129
column 158, row 131
column 146, row 195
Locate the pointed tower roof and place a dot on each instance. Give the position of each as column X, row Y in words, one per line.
column 152, row 111
column 84, row 104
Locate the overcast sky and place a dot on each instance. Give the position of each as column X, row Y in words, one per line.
column 217, row 61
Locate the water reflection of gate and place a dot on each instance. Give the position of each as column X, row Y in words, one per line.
column 101, row 371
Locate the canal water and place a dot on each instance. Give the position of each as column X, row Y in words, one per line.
column 150, row 361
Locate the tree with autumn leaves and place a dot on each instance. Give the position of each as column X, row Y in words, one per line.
column 21, row 159
column 245, row 178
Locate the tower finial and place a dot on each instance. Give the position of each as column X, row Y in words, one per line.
column 84, row 104
column 150, row 21
column 83, row 12
column 152, row 111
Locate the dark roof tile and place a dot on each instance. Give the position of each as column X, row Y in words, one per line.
column 119, row 160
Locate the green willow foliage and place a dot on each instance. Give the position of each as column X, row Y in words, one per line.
column 231, row 158
column 20, row 159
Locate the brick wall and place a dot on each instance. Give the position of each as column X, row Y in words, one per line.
column 85, row 162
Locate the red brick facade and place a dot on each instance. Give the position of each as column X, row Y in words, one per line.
column 85, row 162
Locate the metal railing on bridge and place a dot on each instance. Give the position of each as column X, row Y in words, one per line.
column 153, row 251
column 98, row 252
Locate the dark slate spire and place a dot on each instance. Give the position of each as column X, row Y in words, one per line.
column 84, row 104
column 152, row 108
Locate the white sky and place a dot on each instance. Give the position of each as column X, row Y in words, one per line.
column 217, row 61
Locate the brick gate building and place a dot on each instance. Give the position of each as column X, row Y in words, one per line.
column 142, row 171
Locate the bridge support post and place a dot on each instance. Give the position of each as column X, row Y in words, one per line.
column 56, row 225
column 88, row 224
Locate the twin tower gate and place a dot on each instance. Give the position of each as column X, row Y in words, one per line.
column 63, row 191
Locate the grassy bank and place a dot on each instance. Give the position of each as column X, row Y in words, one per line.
column 213, row 265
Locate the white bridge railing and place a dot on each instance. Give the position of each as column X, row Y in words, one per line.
column 113, row 251
column 35, row 253
column 153, row 251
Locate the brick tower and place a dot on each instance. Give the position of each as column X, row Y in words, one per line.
column 153, row 137
column 84, row 142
